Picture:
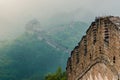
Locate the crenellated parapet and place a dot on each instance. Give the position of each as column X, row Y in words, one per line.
column 99, row 48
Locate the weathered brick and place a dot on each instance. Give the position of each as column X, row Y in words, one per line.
column 97, row 56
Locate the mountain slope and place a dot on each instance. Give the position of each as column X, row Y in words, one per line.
column 67, row 35
column 31, row 56
column 35, row 53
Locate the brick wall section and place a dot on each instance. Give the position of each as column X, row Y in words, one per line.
column 99, row 48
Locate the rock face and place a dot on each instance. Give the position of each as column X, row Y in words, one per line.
column 97, row 56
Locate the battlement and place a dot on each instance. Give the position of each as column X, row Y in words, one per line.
column 101, row 44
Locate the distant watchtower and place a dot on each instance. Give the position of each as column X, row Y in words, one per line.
column 97, row 56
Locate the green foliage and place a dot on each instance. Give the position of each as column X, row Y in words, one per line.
column 58, row 75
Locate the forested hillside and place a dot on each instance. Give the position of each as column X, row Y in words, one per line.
column 36, row 53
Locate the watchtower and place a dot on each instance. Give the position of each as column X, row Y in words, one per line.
column 97, row 55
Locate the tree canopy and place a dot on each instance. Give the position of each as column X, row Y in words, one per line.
column 58, row 75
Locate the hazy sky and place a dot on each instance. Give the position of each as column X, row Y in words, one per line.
column 14, row 14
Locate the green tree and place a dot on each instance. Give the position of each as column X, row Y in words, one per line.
column 58, row 75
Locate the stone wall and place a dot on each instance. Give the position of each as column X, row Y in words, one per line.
column 97, row 55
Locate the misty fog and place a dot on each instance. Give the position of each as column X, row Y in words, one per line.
column 14, row 14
